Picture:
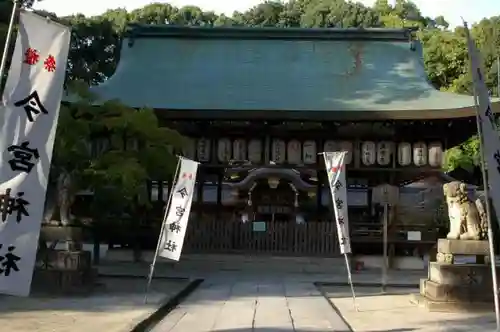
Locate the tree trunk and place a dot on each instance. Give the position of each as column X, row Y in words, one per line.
column 65, row 197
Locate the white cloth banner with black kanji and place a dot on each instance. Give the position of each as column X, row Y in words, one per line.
column 177, row 216
column 30, row 110
column 491, row 140
column 335, row 168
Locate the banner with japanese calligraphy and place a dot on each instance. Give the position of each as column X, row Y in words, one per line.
column 177, row 216
column 335, row 168
column 31, row 101
column 486, row 118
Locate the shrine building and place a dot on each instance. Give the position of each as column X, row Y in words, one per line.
column 259, row 104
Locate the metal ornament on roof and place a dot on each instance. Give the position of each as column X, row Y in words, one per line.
column 420, row 154
column 278, row 151
column 404, row 154
column 309, row 152
column 203, row 150
column 436, row 154
column 255, row 151
column 239, row 149
column 294, row 151
column 224, row 150
column 384, row 153
column 368, row 153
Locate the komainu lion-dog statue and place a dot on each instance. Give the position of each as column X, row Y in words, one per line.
column 467, row 218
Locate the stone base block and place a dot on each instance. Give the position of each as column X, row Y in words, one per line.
column 463, row 247
column 64, row 281
column 461, row 275
column 449, row 306
column 452, row 293
column 65, row 260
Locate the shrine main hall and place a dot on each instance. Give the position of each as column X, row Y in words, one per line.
column 259, row 104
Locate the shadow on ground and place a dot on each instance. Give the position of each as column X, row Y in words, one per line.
column 111, row 294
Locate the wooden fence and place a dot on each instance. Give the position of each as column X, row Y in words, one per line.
column 288, row 238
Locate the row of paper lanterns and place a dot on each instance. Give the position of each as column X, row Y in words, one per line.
column 296, row 152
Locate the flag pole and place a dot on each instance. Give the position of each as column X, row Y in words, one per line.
column 162, row 230
column 7, row 40
column 485, row 185
column 347, row 264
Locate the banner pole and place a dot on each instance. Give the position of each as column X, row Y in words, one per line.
column 385, row 264
column 10, row 30
column 349, row 277
column 162, row 230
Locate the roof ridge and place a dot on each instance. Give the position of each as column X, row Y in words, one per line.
column 174, row 31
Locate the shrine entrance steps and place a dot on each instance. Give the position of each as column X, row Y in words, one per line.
column 237, row 262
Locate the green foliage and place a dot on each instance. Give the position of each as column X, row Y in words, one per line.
column 136, row 149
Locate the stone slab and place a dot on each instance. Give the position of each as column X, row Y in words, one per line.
column 450, row 274
column 66, row 260
column 450, row 306
column 453, row 293
column 463, row 247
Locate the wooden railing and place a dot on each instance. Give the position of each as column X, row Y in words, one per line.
column 313, row 238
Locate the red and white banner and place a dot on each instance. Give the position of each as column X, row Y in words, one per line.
column 31, row 101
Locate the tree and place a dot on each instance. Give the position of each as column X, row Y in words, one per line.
column 131, row 148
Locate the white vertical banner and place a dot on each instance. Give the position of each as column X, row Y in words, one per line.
column 491, row 140
column 335, row 168
column 31, row 103
column 177, row 216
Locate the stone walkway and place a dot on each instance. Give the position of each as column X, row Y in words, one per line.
column 394, row 312
column 116, row 308
column 244, row 304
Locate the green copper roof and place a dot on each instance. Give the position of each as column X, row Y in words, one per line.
column 330, row 73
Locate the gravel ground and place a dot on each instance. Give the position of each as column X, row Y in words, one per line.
column 117, row 306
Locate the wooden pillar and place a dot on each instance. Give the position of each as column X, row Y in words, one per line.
column 199, row 194
column 319, row 193
column 220, row 178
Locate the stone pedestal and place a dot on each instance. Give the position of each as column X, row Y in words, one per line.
column 66, row 272
column 451, row 286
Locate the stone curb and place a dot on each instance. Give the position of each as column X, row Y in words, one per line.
column 153, row 319
column 135, row 276
column 365, row 284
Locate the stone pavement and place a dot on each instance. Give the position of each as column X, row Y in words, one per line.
column 394, row 312
column 116, row 308
column 340, row 276
column 246, row 303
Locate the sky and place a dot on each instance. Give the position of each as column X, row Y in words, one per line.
column 471, row 10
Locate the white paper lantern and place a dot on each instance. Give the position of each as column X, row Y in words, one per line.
column 189, row 149
column 309, row 152
column 331, row 146
column 404, row 154
column 368, row 153
column 435, row 154
column 347, row 146
column 224, row 150
column 255, row 151
column 240, row 149
column 384, row 153
column 278, row 151
column 294, row 150
column 420, row 154
column 203, row 149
